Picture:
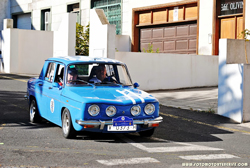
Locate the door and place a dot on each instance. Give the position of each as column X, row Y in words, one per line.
column 228, row 28
column 231, row 28
column 24, row 21
column 240, row 27
column 54, row 95
column 170, row 39
column 53, row 90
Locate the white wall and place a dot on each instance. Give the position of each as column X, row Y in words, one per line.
column 65, row 37
column 234, row 80
column 170, row 71
column 4, row 13
column 26, row 50
column 205, row 27
column 230, row 86
column 122, row 43
column 57, row 8
column 247, row 15
column 101, row 36
column 85, row 12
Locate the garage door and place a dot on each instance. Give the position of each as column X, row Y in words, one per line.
column 179, row 39
column 24, row 21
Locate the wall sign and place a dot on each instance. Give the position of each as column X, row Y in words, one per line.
column 230, row 7
column 175, row 16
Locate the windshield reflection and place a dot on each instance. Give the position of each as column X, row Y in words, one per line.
column 97, row 74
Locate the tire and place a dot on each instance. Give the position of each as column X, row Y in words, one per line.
column 147, row 133
column 34, row 113
column 67, row 127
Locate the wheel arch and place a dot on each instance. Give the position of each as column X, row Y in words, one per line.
column 76, row 126
column 31, row 98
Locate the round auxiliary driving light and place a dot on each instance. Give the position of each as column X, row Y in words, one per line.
column 110, row 111
column 135, row 110
column 94, row 110
column 149, row 109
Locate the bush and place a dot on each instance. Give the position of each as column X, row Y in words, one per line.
column 82, row 40
column 150, row 49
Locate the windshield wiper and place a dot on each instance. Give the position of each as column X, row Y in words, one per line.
column 80, row 80
column 107, row 82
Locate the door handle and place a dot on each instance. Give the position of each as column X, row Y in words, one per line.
column 40, row 84
column 50, row 87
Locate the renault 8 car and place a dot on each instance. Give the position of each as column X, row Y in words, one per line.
column 80, row 93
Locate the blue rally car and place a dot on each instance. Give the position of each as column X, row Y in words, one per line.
column 80, row 93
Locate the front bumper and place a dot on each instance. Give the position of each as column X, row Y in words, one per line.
column 102, row 124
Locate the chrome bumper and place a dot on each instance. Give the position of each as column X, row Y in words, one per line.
column 96, row 123
column 25, row 97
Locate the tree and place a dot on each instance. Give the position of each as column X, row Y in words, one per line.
column 82, row 40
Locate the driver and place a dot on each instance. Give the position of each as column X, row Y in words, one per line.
column 72, row 75
column 101, row 73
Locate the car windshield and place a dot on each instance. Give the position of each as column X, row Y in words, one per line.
column 97, row 74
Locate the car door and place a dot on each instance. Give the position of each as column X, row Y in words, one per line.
column 47, row 86
column 39, row 92
column 54, row 89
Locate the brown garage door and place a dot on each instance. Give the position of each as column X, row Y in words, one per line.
column 179, row 39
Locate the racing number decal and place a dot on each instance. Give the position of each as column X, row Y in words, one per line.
column 52, row 105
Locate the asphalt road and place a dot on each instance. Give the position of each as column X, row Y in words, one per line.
column 184, row 139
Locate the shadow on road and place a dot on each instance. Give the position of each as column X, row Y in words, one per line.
column 185, row 126
column 14, row 109
column 7, row 76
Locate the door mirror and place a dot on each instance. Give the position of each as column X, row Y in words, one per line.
column 136, row 85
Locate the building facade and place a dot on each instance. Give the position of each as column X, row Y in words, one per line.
column 172, row 26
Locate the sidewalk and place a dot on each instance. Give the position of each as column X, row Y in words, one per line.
column 201, row 99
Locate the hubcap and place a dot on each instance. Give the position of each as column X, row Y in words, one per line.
column 32, row 110
column 65, row 123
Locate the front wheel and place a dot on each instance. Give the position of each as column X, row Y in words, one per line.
column 147, row 133
column 34, row 113
column 67, row 127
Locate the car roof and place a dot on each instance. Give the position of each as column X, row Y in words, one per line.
column 80, row 59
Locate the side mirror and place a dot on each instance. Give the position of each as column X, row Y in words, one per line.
column 136, row 85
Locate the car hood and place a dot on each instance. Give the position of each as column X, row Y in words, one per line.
column 110, row 95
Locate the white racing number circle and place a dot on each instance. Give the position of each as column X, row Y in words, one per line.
column 52, row 105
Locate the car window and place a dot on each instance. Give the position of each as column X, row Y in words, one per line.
column 59, row 74
column 97, row 74
column 50, row 72
column 123, row 75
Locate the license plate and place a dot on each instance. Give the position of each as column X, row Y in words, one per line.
column 121, row 128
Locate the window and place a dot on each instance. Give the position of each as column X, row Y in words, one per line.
column 59, row 74
column 74, row 8
column 112, row 10
column 50, row 72
column 45, row 20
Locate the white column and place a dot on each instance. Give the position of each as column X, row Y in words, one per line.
column 102, row 35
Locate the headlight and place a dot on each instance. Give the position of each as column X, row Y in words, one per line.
column 110, row 111
column 135, row 110
column 94, row 110
column 149, row 109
